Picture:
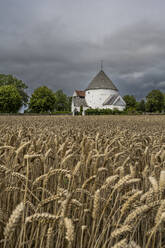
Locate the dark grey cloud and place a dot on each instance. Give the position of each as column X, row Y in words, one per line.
column 60, row 44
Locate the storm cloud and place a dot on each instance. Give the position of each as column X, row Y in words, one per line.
column 60, row 43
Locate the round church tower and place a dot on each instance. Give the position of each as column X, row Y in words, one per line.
column 100, row 88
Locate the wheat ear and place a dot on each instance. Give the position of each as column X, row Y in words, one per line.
column 121, row 244
column 162, row 181
column 154, row 183
column 96, row 204
column 69, row 231
column 137, row 212
column 130, row 200
column 44, row 218
column 14, row 220
column 121, row 231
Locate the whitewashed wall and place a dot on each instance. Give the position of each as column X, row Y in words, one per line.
column 72, row 107
column 95, row 98
column 121, row 108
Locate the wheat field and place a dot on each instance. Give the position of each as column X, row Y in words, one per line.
column 82, row 182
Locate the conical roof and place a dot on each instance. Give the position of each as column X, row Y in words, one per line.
column 101, row 81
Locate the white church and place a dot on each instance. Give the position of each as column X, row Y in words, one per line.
column 101, row 93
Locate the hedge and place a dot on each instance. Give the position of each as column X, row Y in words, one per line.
column 103, row 112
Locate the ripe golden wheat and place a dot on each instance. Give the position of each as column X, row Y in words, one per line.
column 88, row 182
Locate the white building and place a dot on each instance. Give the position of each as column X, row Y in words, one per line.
column 101, row 93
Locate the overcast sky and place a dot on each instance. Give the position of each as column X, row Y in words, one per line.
column 60, row 43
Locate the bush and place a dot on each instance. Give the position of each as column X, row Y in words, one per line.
column 130, row 111
column 116, row 112
column 61, row 112
column 47, row 113
column 102, row 112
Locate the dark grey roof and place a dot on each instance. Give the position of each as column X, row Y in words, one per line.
column 110, row 100
column 78, row 101
column 101, row 81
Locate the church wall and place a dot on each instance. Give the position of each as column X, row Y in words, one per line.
column 72, row 107
column 96, row 97
column 120, row 102
column 121, row 108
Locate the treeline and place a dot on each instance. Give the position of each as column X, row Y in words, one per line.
column 154, row 103
column 13, row 96
column 43, row 100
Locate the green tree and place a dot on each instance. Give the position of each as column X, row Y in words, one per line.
column 155, row 101
column 141, row 106
column 42, row 100
column 130, row 102
column 10, row 99
column 19, row 84
column 62, row 101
